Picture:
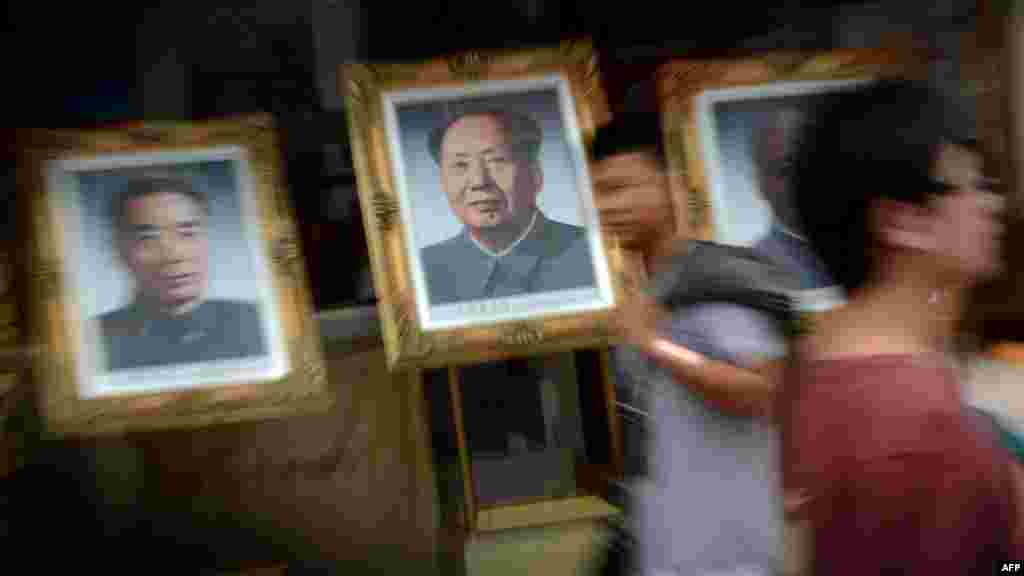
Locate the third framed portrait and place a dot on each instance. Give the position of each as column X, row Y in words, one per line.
column 731, row 130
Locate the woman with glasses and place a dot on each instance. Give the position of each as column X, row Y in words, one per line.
column 893, row 473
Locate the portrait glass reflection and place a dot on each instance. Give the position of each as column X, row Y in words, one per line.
column 168, row 272
column 749, row 137
column 524, row 428
column 494, row 183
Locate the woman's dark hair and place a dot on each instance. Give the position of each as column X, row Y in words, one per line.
column 151, row 183
column 628, row 134
column 865, row 144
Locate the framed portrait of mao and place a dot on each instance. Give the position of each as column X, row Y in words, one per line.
column 474, row 186
column 167, row 287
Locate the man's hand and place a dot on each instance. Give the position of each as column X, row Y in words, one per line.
column 637, row 319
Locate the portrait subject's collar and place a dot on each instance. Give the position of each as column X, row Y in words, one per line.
column 189, row 326
column 787, row 232
column 794, row 252
column 510, row 247
column 487, row 276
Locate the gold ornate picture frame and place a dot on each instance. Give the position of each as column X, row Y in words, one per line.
column 168, row 287
column 399, row 116
column 683, row 83
column 730, row 127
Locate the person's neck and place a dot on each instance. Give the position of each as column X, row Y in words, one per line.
column 912, row 316
column 499, row 238
column 157, row 308
column 658, row 250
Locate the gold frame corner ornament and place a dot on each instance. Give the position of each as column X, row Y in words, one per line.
column 408, row 344
column 385, row 210
column 303, row 388
column 522, row 334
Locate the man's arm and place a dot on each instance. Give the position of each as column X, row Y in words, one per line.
column 726, row 387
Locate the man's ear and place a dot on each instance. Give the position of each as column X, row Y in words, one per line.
column 904, row 225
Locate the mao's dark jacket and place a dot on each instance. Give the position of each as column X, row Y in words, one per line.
column 553, row 256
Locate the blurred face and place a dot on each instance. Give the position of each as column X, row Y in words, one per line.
column 163, row 242
column 487, row 184
column 967, row 221
column 775, row 148
column 631, row 191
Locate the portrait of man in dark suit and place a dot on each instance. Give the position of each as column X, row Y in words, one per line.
column 488, row 160
column 773, row 148
column 160, row 229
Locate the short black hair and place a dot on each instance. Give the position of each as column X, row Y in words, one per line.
column 152, row 183
column 523, row 131
column 876, row 141
column 628, row 134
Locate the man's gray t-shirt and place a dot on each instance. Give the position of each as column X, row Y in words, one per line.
column 712, row 502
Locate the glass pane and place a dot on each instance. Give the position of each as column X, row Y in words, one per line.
column 523, row 428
